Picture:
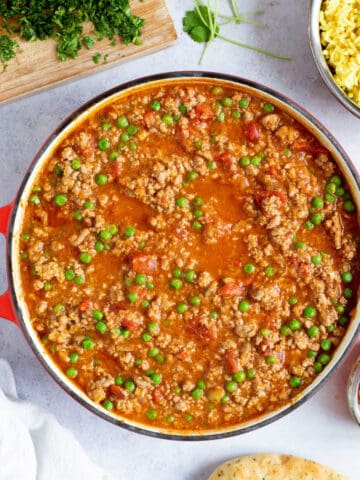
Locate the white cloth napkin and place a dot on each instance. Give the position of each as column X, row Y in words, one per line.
column 33, row 445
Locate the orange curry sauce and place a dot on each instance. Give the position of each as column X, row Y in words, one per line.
column 188, row 256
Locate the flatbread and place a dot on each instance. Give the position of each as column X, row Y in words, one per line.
column 274, row 467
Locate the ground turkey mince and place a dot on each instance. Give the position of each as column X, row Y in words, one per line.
column 188, row 256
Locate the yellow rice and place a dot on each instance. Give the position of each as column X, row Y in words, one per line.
column 340, row 38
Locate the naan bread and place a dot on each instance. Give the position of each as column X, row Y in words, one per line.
column 274, row 467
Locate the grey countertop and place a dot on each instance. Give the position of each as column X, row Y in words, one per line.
column 320, row 429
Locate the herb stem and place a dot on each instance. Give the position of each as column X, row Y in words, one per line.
column 256, row 49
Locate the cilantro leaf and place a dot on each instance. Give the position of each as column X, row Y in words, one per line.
column 200, row 34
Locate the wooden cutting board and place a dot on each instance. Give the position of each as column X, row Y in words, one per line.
column 36, row 67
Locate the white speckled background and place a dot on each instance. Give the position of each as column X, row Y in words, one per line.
column 322, row 428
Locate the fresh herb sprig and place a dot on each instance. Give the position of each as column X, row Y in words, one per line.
column 202, row 24
column 64, row 21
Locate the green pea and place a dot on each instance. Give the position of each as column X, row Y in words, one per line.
column 153, row 328
column 311, row 354
column 309, row 312
column 99, row 247
column 340, row 192
column 170, row 418
column 155, row 105
column 295, row 382
column 287, row 152
column 125, row 333
column 198, row 213
column 213, row 315
column 35, row 200
column 196, row 225
column 343, row 320
column 149, row 286
column 47, row 286
column 340, row 308
column 293, row 300
column 349, row 206
column 331, row 328
column 317, row 218
column 73, row 357
column 113, row 156
column 195, row 301
column 152, row 352
column 85, row 257
column 348, row 293
column 190, row 276
column 245, row 161
column 318, row 367
column 176, row 273
column 76, row 164
column 88, row 205
column 188, row 417
column 316, row 259
column 231, row 386
column 77, row 215
column 156, row 378
column 220, row 117
column 183, row 109
column 268, row 108
column 87, row 343
column 105, row 235
column 130, row 386
column 235, row 114
column 71, row 372
column 101, row 327
column 167, row 119
column 58, row 308
column 256, row 161
column 226, row 102
column 243, row 306
column 326, row 344
column 244, row 103
column 285, row 330
column 329, row 197
column 324, row 358
column 270, row 271
column 104, row 143
column 97, row 315
column 132, row 297
column 250, row 373
column 140, row 279
column 317, row 202
column 300, row 245
column 118, row 380
column 335, row 179
column 309, row 225
column 211, row 165
column 182, row 202
column 69, row 274
column 265, row 332
column 330, row 188
column 294, row 324
column 129, row 232
column 101, row 179
column 249, row 268
column 60, row 200
column 239, row 376
column 313, row 331
column 271, row 360
column 192, row 176
column 198, row 144
column 197, row 393
column 122, row 121
column 146, row 337
column 124, row 137
column 132, row 130
column 181, row 308
column 347, row 277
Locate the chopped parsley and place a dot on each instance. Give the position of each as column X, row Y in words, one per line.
column 64, row 21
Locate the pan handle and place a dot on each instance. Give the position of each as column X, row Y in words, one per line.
column 6, row 306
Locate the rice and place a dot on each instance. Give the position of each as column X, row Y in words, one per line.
column 340, row 38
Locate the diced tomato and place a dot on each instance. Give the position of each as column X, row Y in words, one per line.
column 143, row 263
column 232, row 361
column 85, row 305
column 118, row 391
column 183, row 355
column 226, row 159
column 274, row 172
column 260, row 196
column 252, row 131
column 149, row 118
column 129, row 324
column 201, row 329
column 116, row 169
column 233, row 289
column 204, row 113
column 157, row 396
column 308, row 146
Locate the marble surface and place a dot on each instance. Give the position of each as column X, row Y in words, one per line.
column 322, row 428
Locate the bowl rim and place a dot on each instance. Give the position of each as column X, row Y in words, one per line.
column 70, row 388
column 321, row 64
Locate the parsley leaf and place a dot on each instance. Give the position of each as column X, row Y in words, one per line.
column 7, row 49
column 202, row 25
